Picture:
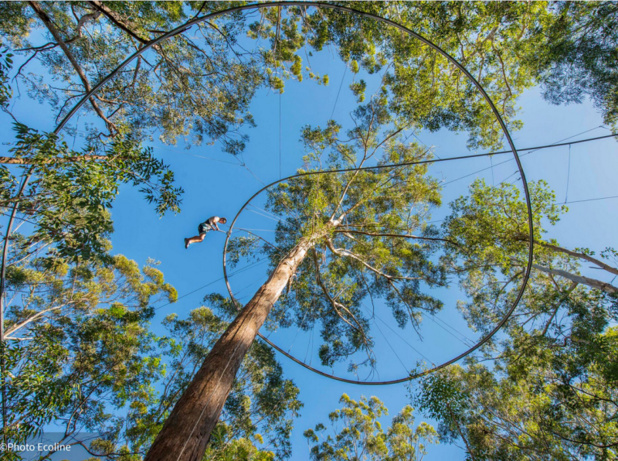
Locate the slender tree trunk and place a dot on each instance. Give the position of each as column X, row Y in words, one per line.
column 186, row 432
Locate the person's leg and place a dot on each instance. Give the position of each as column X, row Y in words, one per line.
column 195, row 239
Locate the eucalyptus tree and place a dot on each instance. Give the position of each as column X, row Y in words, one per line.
column 81, row 356
column 69, row 193
column 77, row 343
column 74, row 317
column 257, row 419
column 362, row 437
column 487, row 38
column 177, row 89
column 489, row 229
column 577, row 59
column 567, row 47
column 60, row 199
column 550, row 389
column 345, row 237
column 199, row 84
column 78, row 350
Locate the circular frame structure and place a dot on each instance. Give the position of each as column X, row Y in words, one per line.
column 188, row 25
column 528, row 269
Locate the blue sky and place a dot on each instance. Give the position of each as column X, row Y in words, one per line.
column 217, row 184
column 216, row 188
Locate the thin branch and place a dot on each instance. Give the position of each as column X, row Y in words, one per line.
column 583, row 442
column 575, row 254
column 562, row 298
column 344, row 252
column 33, row 318
column 25, row 161
column 413, row 320
column 336, row 305
column 373, row 234
column 593, row 283
column 345, row 190
column 56, row 34
column 101, row 7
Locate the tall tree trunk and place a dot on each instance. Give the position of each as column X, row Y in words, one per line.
column 187, row 430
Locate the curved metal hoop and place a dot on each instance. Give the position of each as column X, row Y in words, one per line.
column 389, row 22
column 526, row 276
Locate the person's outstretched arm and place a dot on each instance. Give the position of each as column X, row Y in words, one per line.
column 214, row 224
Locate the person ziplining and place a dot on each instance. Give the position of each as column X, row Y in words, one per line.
column 203, row 228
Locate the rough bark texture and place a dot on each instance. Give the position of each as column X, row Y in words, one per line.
column 186, row 432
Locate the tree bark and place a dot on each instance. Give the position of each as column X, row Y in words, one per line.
column 186, row 432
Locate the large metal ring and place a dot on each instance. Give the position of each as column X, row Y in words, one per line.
column 388, row 22
column 526, row 276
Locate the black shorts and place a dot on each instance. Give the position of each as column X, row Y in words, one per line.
column 203, row 228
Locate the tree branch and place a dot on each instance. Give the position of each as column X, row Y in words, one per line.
column 109, row 14
column 562, row 298
column 413, row 320
column 563, row 437
column 593, row 283
column 575, row 254
column 336, row 305
column 32, row 319
column 56, row 34
column 373, row 234
column 344, row 252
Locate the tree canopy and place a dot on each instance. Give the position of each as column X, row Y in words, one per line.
column 81, row 356
column 548, row 389
column 362, row 436
column 199, row 84
column 576, row 60
column 378, row 247
column 80, row 351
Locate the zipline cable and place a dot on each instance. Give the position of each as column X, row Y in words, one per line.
column 546, row 146
column 568, row 180
column 592, row 199
column 259, row 261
